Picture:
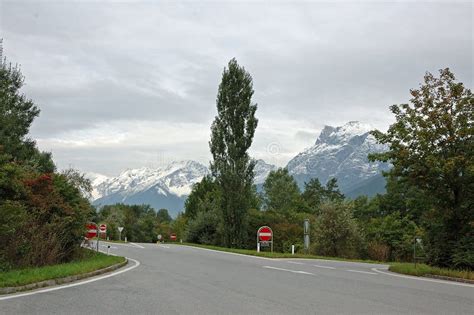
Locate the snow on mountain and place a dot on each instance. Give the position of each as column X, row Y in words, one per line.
column 96, row 179
column 165, row 187
column 339, row 152
column 262, row 169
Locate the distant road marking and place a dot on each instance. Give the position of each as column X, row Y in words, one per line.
column 139, row 246
column 360, row 271
column 164, row 246
column 289, row 270
column 60, row 287
column 230, row 253
column 326, row 267
column 296, row 263
column 425, row 279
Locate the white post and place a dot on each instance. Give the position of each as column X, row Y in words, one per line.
column 108, row 247
column 125, row 239
column 292, row 249
column 258, row 247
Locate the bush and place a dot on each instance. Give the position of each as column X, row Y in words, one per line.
column 336, row 231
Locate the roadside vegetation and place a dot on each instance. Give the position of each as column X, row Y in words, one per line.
column 42, row 211
column 424, row 269
column 86, row 261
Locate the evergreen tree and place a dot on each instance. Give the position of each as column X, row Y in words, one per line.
column 281, row 193
column 232, row 134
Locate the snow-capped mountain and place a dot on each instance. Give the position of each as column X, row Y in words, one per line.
column 340, row 152
column 261, row 170
column 165, row 187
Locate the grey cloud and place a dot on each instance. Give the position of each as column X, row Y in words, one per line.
column 90, row 63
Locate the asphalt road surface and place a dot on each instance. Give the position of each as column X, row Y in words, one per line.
column 174, row 279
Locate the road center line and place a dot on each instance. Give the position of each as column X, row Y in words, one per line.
column 360, row 271
column 74, row 284
column 289, row 270
column 326, row 267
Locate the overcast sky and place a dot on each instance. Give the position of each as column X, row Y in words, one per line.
column 131, row 84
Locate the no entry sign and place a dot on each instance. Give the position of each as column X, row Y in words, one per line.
column 91, row 230
column 103, row 228
column 173, row 236
column 265, row 234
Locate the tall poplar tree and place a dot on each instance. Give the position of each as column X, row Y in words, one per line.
column 232, row 134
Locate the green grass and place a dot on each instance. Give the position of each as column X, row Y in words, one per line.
column 269, row 254
column 90, row 261
column 423, row 269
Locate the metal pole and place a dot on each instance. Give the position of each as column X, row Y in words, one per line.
column 414, row 251
column 98, row 236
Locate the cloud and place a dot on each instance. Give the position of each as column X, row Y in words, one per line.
column 120, row 83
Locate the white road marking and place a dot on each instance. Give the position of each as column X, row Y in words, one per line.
column 164, row 246
column 326, row 267
column 296, row 263
column 289, row 270
column 360, row 271
column 139, row 246
column 425, row 279
column 60, row 287
column 230, row 253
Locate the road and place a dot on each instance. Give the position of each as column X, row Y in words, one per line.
column 174, row 279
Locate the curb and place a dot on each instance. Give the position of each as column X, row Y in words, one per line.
column 449, row 278
column 48, row 283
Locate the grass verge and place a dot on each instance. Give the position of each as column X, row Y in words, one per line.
column 90, row 261
column 423, row 270
column 278, row 255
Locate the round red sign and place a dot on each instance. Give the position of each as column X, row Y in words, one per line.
column 173, row 237
column 91, row 230
column 265, row 234
column 103, row 228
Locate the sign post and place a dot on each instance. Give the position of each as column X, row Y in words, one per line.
column 120, row 229
column 103, row 230
column 306, row 235
column 93, row 231
column 264, row 237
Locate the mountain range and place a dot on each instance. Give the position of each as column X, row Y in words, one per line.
column 339, row 152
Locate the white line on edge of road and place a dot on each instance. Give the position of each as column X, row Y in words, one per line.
column 139, row 246
column 425, row 279
column 325, row 267
column 360, row 271
column 289, row 270
column 74, row 284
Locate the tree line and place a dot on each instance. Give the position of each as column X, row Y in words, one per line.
column 429, row 192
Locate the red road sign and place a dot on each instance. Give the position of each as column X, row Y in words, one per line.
column 173, row 236
column 91, row 230
column 265, row 234
column 103, row 228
